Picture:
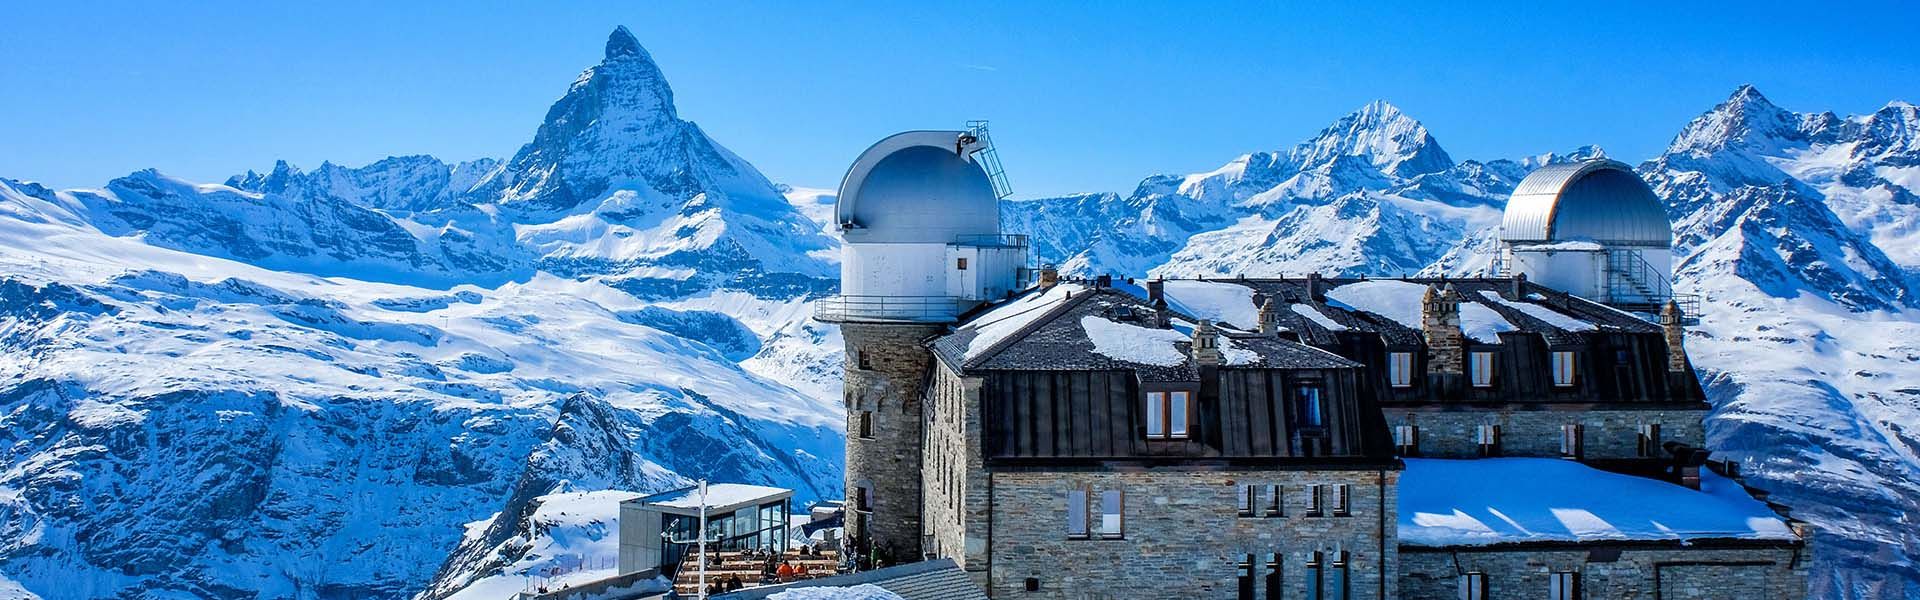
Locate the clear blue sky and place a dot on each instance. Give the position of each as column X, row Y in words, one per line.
column 1083, row 96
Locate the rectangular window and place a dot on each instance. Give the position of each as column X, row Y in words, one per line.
column 1272, row 507
column 1168, row 415
column 1340, row 499
column 961, row 264
column 1316, row 578
column 1246, row 578
column 1488, row 438
column 1400, row 369
column 862, row 357
column 1649, row 442
column 1156, row 414
column 1473, row 586
column 1571, row 444
column 1177, row 415
column 1482, row 369
column 1077, row 514
column 866, row 424
column 1111, row 505
column 1308, row 405
column 1274, row 589
column 1406, row 440
column 1339, row 578
column 1564, row 585
column 1314, row 494
column 1562, row 369
column 1248, row 495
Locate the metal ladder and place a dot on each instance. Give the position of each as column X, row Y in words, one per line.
column 989, row 159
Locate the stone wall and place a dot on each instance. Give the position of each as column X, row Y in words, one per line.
column 1183, row 534
column 886, row 367
column 955, row 482
column 1450, row 431
column 1750, row 573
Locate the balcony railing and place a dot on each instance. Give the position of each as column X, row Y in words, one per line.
column 919, row 309
column 1002, row 240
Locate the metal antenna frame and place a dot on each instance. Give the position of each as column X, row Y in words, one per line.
column 702, row 540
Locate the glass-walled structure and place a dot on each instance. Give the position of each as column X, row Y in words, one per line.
column 739, row 517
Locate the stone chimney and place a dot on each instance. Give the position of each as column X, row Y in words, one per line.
column 1049, row 276
column 1269, row 318
column 1156, row 290
column 1519, row 291
column 1313, row 287
column 1676, row 337
column 1103, row 281
column 1440, row 325
column 1206, row 344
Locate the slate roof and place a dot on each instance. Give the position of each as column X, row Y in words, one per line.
column 1603, row 318
column 940, row 579
column 1050, row 335
column 1058, row 340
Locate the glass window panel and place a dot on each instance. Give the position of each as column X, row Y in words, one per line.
column 1156, row 412
column 1110, row 507
column 1179, row 411
column 1076, row 513
column 1400, row 369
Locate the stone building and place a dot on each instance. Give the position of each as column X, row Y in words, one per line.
column 1312, row 438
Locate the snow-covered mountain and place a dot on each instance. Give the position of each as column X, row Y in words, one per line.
column 1373, row 193
column 1801, row 231
column 374, row 381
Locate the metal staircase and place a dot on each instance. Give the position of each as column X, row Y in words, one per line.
column 989, row 159
column 1634, row 284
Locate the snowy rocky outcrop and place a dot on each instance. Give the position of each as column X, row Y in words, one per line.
column 381, row 381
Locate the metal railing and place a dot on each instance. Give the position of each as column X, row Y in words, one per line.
column 990, row 159
column 1001, row 240
column 922, row 309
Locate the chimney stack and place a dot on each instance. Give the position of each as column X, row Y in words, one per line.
column 1156, row 290
column 1313, row 287
column 1519, row 292
column 1440, row 325
column 1269, row 318
column 1049, row 276
column 1162, row 316
column 1206, row 344
column 1670, row 324
column 1103, row 281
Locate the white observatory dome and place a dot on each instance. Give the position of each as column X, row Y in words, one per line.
column 917, row 187
column 1600, row 200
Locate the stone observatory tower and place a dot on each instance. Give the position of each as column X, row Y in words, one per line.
column 920, row 213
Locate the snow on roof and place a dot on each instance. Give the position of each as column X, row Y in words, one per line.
column 864, row 591
column 1551, row 316
column 1482, row 323
column 1009, row 318
column 719, row 495
column 1133, row 343
column 1235, row 355
column 1570, row 246
column 1218, row 301
column 1319, row 318
column 1504, row 500
column 1400, row 301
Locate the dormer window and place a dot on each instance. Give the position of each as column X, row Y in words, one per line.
column 1168, row 414
column 1562, row 368
column 1400, row 369
column 1309, row 407
column 1481, row 364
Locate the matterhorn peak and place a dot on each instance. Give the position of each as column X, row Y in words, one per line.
column 622, row 43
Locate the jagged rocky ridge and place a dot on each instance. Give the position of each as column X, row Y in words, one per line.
column 361, row 381
column 1798, row 229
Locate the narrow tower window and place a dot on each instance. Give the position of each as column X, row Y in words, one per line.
column 1111, row 505
column 1077, row 514
column 866, row 424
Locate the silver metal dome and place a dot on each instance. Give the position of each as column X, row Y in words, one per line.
column 1598, row 200
column 917, row 187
